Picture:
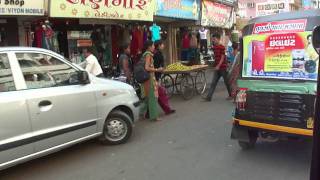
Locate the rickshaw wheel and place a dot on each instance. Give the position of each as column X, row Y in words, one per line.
column 187, row 86
column 168, row 83
column 200, row 82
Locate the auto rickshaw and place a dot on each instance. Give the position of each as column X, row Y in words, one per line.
column 278, row 81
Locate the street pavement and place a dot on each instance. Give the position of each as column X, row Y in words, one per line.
column 193, row 144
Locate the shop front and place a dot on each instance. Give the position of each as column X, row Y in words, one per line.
column 104, row 25
column 14, row 18
column 218, row 17
column 180, row 17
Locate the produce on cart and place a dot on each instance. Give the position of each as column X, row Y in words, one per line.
column 184, row 80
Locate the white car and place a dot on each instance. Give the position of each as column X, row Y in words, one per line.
column 48, row 103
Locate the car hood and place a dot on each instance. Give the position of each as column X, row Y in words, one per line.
column 110, row 84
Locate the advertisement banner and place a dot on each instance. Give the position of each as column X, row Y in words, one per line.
column 281, row 56
column 141, row 10
column 288, row 26
column 182, row 9
column 307, row 4
column 22, row 7
column 216, row 15
column 272, row 7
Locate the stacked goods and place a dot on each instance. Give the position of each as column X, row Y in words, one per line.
column 178, row 67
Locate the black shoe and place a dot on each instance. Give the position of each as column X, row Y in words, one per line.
column 207, row 99
column 172, row 111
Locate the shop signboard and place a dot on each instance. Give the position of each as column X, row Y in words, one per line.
column 182, row 9
column 272, row 7
column 22, row 7
column 216, row 14
column 280, row 50
column 142, row 10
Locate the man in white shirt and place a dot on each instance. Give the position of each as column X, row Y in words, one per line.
column 92, row 65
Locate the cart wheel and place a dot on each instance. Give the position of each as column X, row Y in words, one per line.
column 187, row 86
column 178, row 79
column 168, row 83
column 201, row 82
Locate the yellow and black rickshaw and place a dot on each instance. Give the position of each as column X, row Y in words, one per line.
column 278, row 81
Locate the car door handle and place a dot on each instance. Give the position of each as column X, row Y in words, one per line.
column 45, row 103
column 44, row 106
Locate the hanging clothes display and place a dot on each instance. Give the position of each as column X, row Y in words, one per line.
column 49, row 34
column 62, row 38
column 185, row 47
column 145, row 34
column 115, row 43
column 38, row 37
column 203, row 40
column 126, row 35
column 137, row 41
column 155, row 30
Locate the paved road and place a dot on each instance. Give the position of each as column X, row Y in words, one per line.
column 193, row 144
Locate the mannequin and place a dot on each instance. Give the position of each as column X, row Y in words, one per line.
column 203, row 40
column 48, row 35
column 155, row 30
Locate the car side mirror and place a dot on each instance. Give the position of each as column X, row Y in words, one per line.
column 83, row 77
column 316, row 39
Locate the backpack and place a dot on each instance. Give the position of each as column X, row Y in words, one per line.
column 140, row 74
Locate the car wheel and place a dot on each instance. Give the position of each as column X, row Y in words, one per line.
column 117, row 128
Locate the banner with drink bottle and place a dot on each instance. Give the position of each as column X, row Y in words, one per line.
column 287, row 54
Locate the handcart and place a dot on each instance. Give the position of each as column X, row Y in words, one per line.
column 185, row 82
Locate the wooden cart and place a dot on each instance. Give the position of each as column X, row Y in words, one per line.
column 187, row 82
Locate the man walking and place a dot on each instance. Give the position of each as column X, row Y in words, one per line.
column 220, row 67
column 92, row 65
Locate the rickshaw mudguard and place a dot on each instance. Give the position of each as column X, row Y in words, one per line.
column 240, row 133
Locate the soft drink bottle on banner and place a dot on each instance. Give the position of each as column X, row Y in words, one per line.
column 258, row 56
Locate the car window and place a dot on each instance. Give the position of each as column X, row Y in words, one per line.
column 6, row 78
column 44, row 71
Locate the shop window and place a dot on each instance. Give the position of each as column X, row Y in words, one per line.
column 43, row 71
column 6, row 78
column 251, row 5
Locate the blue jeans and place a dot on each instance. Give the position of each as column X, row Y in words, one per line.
column 184, row 55
column 215, row 79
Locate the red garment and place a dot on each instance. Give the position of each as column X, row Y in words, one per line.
column 115, row 45
column 219, row 51
column 137, row 41
column 186, row 42
column 38, row 37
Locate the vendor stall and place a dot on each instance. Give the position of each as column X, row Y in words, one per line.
column 184, row 80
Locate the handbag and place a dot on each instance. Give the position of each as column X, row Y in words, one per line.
column 140, row 74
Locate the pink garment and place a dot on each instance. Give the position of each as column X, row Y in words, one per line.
column 49, row 33
column 163, row 100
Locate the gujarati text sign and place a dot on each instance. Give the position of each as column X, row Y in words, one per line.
column 104, row 9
